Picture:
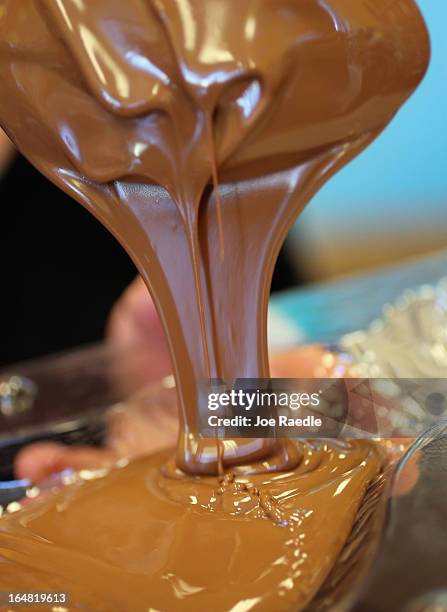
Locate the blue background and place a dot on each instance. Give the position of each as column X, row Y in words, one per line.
column 402, row 177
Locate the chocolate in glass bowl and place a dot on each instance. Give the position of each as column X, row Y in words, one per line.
column 196, row 132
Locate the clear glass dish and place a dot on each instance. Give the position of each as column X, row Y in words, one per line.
column 125, row 400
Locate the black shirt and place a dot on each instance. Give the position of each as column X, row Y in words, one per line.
column 60, row 270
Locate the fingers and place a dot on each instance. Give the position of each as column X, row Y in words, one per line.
column 134, row 318
column 42, row 459
column 311, row 361
column 134, row 327
column 36, row 461
column 137, row 429
column 141, row 430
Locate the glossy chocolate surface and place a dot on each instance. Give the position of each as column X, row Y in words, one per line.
column 196, row 131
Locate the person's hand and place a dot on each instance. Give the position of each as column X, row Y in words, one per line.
column 134, row 330
column 135, row 430
column 133, row 322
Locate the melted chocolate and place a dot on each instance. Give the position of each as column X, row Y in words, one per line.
column 137, row 540
column 136, row 108
column 196, row 132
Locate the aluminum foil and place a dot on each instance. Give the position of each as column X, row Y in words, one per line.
column 408, row 341
column 406, row 346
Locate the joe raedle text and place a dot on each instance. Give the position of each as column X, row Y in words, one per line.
column 259, row 421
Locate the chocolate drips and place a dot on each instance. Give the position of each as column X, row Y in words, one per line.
column 196, row 131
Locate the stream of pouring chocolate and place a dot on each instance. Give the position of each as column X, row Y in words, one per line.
column 196, row 131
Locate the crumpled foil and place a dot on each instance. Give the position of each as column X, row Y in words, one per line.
column 409, row 341
column 404, row 356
